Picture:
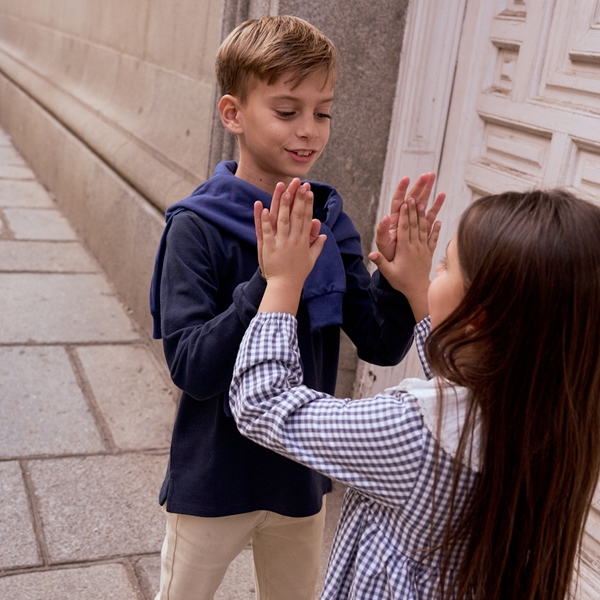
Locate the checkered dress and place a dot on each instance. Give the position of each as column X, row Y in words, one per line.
column 383, row 448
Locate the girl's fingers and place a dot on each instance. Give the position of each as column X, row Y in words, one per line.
column 301, row 215
column 267, row 232
column 283, row 219
column 413, row 220
column 258, row 207
column 403, row 233
column 274, row 211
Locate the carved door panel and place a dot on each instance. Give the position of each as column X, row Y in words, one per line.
column 524, row 112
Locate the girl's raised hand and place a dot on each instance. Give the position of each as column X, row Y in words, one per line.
column 287, row 247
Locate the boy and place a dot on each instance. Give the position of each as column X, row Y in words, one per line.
column 221, row 490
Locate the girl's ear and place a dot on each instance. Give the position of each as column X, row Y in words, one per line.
column 229, row 109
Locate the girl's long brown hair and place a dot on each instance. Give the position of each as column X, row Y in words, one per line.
column 525, row 341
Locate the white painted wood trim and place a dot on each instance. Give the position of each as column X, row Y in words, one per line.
column 423, row 92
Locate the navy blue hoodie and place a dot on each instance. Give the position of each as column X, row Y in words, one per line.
column 205, row 290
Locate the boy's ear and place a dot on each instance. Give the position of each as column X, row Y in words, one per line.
column 229, row 109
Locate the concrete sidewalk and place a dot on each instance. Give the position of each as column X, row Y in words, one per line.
column 86, row 412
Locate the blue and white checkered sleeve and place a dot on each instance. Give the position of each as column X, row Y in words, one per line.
column 422, row 331
column 374, row 445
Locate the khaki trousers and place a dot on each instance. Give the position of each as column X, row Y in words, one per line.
column 197, row 551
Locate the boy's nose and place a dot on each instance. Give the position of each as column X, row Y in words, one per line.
column 307, row 128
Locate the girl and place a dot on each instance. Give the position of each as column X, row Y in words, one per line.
column 475, row 484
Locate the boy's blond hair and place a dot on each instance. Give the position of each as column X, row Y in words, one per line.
column 268, row 47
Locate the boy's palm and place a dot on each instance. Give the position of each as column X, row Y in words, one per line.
column 387, row 230
column 408, row 270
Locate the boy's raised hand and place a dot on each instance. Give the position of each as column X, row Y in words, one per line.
column 288, row 248
column 386, row 232
column 408, row 269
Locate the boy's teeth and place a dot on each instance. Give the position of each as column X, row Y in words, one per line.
column 303, row 152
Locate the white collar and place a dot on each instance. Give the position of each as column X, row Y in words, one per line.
column 453, row 417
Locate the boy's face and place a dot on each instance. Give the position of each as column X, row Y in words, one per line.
column 282, row 130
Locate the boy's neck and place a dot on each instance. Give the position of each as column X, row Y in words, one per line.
column 260, row 180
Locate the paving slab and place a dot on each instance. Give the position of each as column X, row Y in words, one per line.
column 45, row 412
column 16, row 172
column 148, row 570
column 50, row 257
column 28, row 194
column 99, row 507
column 9, row 156
column 50, row 307
column 131, row 393
column 18, row 547
column 99, row 582
column 38, row 224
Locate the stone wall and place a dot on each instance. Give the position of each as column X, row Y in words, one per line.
column 113, row 105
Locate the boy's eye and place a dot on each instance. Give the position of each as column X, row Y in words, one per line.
column 322, row 116
column 285, row 114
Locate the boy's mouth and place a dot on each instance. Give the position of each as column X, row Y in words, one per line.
column 304, row 152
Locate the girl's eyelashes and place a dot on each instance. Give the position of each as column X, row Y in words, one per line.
column 285, row 114
column 441, row 266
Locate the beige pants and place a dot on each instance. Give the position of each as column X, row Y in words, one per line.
column 197, row 551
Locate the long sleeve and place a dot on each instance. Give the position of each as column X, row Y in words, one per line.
column 202, row 326
column 377, row 318
column 374, row 445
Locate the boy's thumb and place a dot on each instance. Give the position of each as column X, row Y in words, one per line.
column 375, row 257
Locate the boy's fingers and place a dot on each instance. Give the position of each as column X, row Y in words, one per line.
column 423, row 226
column 433, row 211
column 422, row 188
column 435, row 234
column 375, row 257
column 399, row 194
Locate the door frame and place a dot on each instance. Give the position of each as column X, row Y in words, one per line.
column 419, row 121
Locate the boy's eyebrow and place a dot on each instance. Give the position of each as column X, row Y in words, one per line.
column 295, row 98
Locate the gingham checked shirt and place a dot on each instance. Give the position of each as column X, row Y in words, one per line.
column 384, row 449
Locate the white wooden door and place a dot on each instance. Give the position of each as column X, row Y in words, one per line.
column 524, row 112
